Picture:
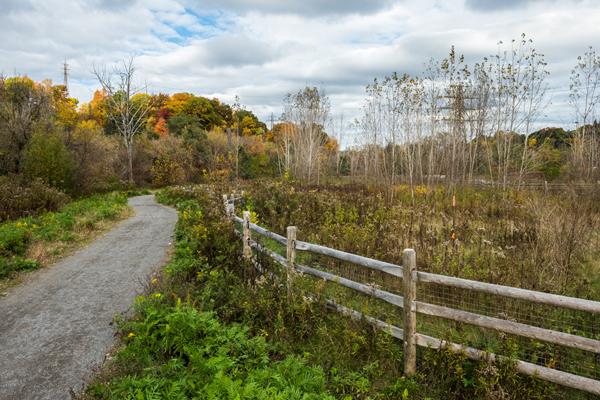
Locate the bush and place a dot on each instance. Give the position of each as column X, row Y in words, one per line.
column 47, row 158
column 14, row 238
column 10, row 265
column 172, row 161
column 96, row 157
column 176, row 352
column 20, row 200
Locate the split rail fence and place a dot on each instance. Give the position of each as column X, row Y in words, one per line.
column 413, row 284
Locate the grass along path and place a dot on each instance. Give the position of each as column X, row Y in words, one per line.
column 177, row 346
column 57, row 328
column 30, row 243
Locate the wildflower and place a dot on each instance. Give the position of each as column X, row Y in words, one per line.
column 420, row 190
column 130, row 335
column 453, row 235
column 154, row 281
column 156, row 296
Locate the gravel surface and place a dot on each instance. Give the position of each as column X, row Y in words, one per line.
column 57, row 327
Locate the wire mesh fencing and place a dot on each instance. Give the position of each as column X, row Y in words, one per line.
column 553, row 337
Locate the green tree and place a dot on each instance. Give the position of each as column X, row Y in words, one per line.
column 47, row 158
column 549, row 160
column 24, row 107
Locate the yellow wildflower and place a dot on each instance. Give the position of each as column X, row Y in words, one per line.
column 420, row 190
column 130, row 335
column 154, row 281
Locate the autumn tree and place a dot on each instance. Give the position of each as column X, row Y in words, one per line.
column 64, row 107
column 25, row 107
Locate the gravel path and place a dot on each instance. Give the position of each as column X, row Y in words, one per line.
column 56, row 327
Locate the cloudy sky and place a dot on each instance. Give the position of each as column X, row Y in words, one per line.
column 262, row 49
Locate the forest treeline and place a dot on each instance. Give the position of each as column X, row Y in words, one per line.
column 77, row 148
column 454, row 123
column 458, row 122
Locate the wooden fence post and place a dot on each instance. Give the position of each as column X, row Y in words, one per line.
column 247, row 252
column 291, row 258
column 409, row 265
column 229, row 206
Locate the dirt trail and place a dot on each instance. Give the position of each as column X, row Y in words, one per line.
column 56, row 327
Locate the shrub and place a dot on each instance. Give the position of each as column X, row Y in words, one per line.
column 10, row 265
column 47, row 158
column 96, row 158
column 176, row 352
column 172, row 161
column 166, row 171
column 20, row 200
column 14, row 238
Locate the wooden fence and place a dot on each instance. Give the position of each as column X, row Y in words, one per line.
column 411, row 306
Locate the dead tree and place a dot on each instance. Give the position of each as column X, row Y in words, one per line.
column 584, row 97
column 307, row 111
column 128, row 115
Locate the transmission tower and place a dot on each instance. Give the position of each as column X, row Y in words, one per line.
column 66, row 75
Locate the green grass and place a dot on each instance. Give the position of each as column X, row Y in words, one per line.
column 31, row 242
column 180, row 349
column 178, row 352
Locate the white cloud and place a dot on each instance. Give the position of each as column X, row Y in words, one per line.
column 262, row 49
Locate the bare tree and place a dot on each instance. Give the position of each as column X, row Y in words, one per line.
column 584, row 97
column 283, row 135
column 433, row 92
column 518, row 97
column 534, row 92
column 480, row 92
column 308, row 111
column 128, row 115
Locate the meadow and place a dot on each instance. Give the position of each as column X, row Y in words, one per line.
column 526, row 239
column 167, row 351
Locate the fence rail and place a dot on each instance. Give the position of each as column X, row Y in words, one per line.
column 411, row 306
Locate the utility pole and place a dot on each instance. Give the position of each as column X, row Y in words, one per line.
column 340, row 138
column 458, row 113
column 66, row 75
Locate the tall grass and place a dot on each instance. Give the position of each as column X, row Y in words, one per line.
column 517, row 238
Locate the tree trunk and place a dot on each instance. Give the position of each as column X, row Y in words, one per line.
column 130, row 161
